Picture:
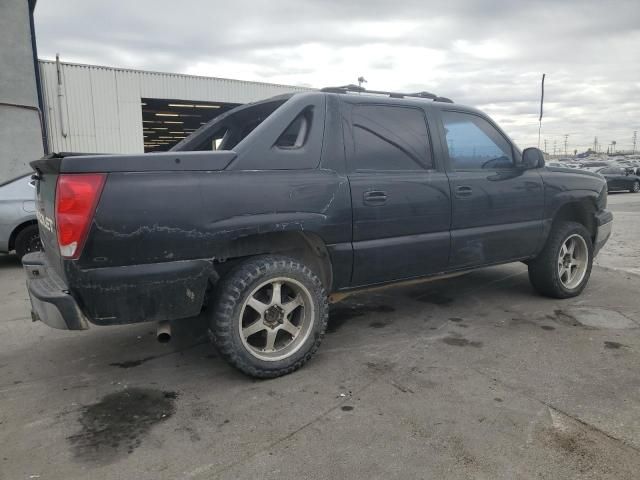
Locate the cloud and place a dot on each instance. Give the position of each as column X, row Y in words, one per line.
column 487, row 54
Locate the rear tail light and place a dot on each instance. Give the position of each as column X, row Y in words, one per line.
column 76, row 199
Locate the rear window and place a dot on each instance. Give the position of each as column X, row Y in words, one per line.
column 612, row 171
column 228, row 130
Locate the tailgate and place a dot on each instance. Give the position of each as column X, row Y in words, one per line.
column 51, row 167
column 46, row 178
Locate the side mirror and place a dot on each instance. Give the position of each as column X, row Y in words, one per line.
column 532, row 158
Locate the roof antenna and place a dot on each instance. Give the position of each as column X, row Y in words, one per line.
column 361, row 80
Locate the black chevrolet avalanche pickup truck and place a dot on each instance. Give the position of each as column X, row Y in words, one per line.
column 261, row 214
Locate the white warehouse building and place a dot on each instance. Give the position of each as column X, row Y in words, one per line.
column 95, row 109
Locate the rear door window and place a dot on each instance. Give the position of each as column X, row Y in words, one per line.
column 389, row 138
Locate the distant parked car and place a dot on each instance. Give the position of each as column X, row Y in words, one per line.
column 18, row 224
column 619, row 178
column 557, row 164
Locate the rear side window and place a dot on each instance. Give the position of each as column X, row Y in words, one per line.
column 390, row 138
column 474, row 143
column 296, row 133
column 218, row 138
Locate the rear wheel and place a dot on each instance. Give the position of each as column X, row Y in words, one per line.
column 635, row 188
column 28, row 241
column 269, row 316
column 563, row 267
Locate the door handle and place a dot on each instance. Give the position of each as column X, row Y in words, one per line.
column 375, row 197
column 464, row 191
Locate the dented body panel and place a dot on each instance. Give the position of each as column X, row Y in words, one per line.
column 191, row 215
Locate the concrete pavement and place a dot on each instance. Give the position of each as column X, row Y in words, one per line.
column 470, row 377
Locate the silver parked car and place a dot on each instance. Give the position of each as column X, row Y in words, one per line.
column 18, row 225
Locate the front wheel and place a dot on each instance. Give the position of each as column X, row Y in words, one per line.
column 563, row 267
column 269, row 316
column 635, row 188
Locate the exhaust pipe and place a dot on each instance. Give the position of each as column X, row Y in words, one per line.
column 163, row 332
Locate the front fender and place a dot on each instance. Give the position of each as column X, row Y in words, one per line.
column 585, row 200
column 563, row 198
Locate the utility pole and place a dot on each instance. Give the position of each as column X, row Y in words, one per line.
column 554, row 148
column 541, row 104
column 595, row 144
column 613, row 147
column 566, row 141
column 545, row 145
column 635, row 139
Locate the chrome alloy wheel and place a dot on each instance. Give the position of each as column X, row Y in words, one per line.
column 573, row 261
column 276, row 319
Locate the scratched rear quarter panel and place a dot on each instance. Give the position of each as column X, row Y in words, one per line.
column 150, row 217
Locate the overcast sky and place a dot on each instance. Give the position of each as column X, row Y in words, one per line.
column 490, row 55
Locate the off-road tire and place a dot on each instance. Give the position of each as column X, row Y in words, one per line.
column 635, row 188
column 229, row 296
column 543, row 270
column 27, row 241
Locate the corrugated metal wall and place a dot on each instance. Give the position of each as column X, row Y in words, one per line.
column 99, row 109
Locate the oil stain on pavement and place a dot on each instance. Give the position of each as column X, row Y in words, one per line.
column 341, row 313
column 461, row 342
column 378, row 324
column 435, row 298
column 132, row 363
column 116, row 425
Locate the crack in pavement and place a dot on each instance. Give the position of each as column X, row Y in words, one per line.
column 550, row 406
column 266, row 448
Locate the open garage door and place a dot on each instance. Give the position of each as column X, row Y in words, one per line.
column 165, row 122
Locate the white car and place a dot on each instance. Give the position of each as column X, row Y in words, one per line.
column 18, row 225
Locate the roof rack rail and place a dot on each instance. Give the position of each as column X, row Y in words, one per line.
column 358, row 89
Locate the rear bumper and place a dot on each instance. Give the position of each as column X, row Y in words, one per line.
column 116, row 295
column 604, row 224
column 50, row 301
